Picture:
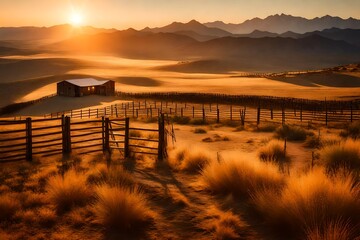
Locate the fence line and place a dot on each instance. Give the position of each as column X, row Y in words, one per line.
column 24, row 139
column 214, row 112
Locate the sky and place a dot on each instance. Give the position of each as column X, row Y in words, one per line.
column 122, row 14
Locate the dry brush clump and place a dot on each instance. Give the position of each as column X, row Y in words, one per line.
column 120, row 208
column 241, row 177
column 352, row 130
column 345, row 155
column 68, row 191
column 186, row 160
column 9, row 205
column 274, row 151
column 309, row 203
column 292, row 133
column 115, row 175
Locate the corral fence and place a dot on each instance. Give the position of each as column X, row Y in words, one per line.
column 24, row 139
column 253, row 110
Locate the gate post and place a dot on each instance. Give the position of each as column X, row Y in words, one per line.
column 28, row 139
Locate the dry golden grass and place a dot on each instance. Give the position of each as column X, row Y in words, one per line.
column 336, row 230
column 191, row 161
column 241, row 177
column 68, row 191
column 345, row 155
column 119, row 208
column 273, row 151
column 222, row 224
column 114, row 176
column 309, row 202
column 352, row 130
column 292, row 133
column 8, row 207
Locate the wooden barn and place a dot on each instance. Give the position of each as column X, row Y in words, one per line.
column 85, row 86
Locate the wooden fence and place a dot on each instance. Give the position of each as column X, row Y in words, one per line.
column 215, row 112
column 24, row 139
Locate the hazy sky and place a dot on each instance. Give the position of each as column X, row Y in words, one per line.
column 140, row 13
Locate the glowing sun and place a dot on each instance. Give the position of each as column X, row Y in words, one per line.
column 76, row 19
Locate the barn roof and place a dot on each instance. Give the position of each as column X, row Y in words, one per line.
column 86, row 82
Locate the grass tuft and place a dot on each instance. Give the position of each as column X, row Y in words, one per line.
column 352, row 130
column 68, row 191
column 335, row 230
column 241, row 177
column 121, row 208
column 273, row 152
column 189, row 161
column 292, row 133
column 8, row 207
column 345, row 155
column 309, row 202
column 200, row 131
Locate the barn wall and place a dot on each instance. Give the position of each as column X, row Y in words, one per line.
column 66, row 89
column 109, row 88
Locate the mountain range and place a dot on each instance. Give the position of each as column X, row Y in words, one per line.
column 202, row 46
column 283, row 23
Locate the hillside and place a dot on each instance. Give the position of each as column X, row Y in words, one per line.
column 263, row 53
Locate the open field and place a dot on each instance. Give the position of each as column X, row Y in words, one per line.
column 190, row 195
column 40, row 73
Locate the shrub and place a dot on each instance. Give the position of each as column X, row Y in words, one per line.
column 113, row 176
column 241, row 177
column 68, row 191
column 345, row 155
column 352, row 130
column 8, row 207
column 231, row 123
column 200, row 131
column 313, row 142
column 198, row 122
column 292, row 133
column 181, row 120
column 121, row 208
column 273, row 152
column 309, row 202
column 188, row 161
column 269, row 127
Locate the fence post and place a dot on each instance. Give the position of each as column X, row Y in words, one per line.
column 282, row 116
column 258, row 116
column 66, row 136
column 80, row 113
column 272, row 114
column 28, row 139
column 126, row 140
column 351, row 112
column 230, row 112
column 162, row 143
column 89, row 113
column 103, row 132
column 301, row 110
column 133, row 109
column 217, row 115
column 193, row 112
column 106, row 140
column 203, row 115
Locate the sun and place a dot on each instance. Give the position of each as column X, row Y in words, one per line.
column 76, row 19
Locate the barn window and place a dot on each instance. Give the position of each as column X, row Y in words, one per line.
column 88, row 88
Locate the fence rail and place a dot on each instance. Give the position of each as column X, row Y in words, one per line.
column 24, row 139
column 215, row 112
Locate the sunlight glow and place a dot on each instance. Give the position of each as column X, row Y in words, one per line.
column 76, row 19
